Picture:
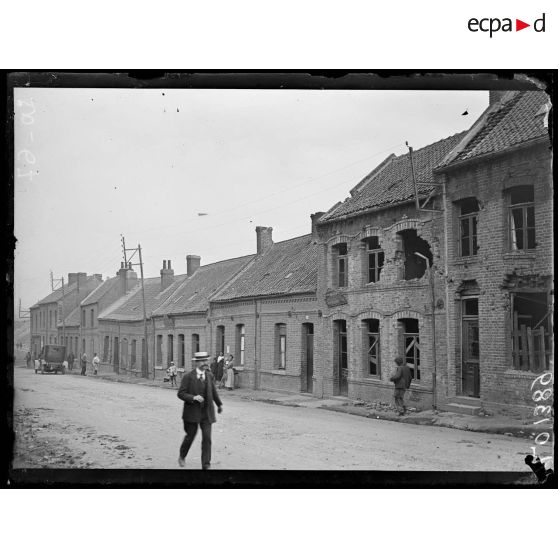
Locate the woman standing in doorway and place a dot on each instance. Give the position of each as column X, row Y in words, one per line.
column 229, row 371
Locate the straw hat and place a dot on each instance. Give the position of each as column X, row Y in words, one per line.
column 201, row 355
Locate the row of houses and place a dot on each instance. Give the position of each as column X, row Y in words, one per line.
column 446, row 261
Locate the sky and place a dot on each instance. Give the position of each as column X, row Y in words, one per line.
column 94, row 164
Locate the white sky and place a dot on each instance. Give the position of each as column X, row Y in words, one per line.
column 144, row 163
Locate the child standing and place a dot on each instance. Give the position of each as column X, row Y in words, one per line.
column 172, row 373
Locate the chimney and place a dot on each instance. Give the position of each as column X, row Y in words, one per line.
column 81, row 280
column 72, row 278
column 167, row 275
column 264, row 240
column 315, row 218
column 495, row 96
column 192, row 264
column 98, row 276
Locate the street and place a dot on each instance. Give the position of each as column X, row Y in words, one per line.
column 72, row 421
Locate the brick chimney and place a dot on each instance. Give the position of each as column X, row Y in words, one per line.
column 72, row 278
column 264, row 240
column 167, row 275
column 315, row 218
column 192, row 264
column 127, row 279
column 98, row 276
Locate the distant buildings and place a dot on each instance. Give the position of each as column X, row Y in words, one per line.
column 457, row 281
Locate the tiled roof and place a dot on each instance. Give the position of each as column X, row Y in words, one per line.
column 56, row 296
column 516, row 119
column 288, row 267
column 391, row 181
column 73, row 318
column 130, row 306
column 101, row 291
column 194, row 292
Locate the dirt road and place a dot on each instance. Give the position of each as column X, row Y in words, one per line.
column 85, row 422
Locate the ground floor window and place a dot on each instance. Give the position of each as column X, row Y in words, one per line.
column 170, row 349
column 372, row 346
column 181, row 356
column 196, row 343
column 411, row 345
column 531, row 331
column 159, row 351
column 133, row 354
column 240, row 340
column 106, row 349
column 220, row 340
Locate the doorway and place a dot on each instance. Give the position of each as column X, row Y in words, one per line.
column 341, row 357
column 308, row 357
column 470, row 371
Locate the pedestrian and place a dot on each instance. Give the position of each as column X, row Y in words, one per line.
column 220, row 369
column 71, row 359
column 171, row 371
column 229, row 371
column 37, row 365
column 28, row 359
column 402, row 381
column 213, row 368
column 96, row 361
column 199, row 394
column 83, row 364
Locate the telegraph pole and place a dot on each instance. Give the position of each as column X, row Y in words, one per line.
column 58, row 281
column 128, row 264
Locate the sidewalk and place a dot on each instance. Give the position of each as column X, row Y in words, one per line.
column 497, row 424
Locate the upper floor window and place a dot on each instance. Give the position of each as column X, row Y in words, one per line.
column 375, row 259
column 468, row 215
column 522, row 217
column 340, row 264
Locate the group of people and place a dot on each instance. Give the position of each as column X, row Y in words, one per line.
column 96, row 361
column 222, row 371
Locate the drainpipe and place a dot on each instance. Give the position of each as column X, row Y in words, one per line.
column 446, row 275
column 431, row 280
column 154, row 341
column 256, row 378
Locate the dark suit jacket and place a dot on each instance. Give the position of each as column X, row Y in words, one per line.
column 402, row 377
column 191, row 386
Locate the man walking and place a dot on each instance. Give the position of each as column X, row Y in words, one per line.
column 83, row 363
column 198, row 391
column 96, row 361
column 402, row 381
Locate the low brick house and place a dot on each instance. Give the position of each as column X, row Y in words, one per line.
column 500, row 281
column 47, row 314
column 379, row 252
column 182, row 322
column 121, row 325
column 267, row 315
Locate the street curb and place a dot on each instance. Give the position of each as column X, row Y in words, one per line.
column 515, row 430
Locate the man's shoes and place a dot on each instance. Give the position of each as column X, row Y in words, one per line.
column 181, row 461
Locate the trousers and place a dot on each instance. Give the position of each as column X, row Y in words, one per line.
column 191, row 429
column 398, row 395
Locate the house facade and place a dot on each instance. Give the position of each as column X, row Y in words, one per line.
column 500, row 256
column 267, row 315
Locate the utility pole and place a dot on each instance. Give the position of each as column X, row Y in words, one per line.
column 128, row 264
column 433, row 306
column 58, row 282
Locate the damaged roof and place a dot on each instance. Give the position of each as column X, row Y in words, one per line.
column 194, row 292
column 391, row 181
column 288, row 267
column 519, row 117
column 129, row 308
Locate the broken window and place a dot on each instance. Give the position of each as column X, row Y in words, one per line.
column 469, row 211
column 372, row 347
column 340, row 264
column 522, row 217
column 411, row 345
column 375, row 259
column 531, row 331
column 410, row 244
column 280, row 346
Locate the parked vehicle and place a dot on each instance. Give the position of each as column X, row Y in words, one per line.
column 52, row 359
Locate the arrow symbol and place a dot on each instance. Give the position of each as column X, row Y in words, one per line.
column 519, row 25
